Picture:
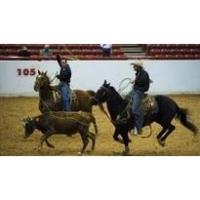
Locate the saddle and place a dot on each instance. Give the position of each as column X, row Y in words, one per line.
column 149, row 107
column 58, row 98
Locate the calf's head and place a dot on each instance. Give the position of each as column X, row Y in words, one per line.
column 29, row 127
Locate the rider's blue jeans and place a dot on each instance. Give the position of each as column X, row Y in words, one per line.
column 137, row 109
column 65, row 92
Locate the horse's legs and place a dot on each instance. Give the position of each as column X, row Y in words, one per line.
column 92, row 136
column 159, row 136
column 164, row 136
column 95, row 126
column 116, row 138
column 126, row 141
column 85, row 140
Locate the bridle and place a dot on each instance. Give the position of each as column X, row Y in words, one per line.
column 100, row 104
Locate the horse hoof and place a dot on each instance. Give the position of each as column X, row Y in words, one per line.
column 79, row 153
column 125, row 153
column 92, row 149
column 89, row 151
column 161, row 143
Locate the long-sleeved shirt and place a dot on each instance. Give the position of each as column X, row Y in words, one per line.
column 65, row 72
column 142, row 81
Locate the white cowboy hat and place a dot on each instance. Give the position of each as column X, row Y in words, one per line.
column 137, row 63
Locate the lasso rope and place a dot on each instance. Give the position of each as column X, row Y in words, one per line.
column 54, row 77
column 121, row 89
column 72, row 56
column 147, row 136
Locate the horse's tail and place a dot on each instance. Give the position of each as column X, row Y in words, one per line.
column 91, row 92
column 182, row 116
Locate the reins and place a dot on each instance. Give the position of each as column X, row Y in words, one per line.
column 106, row 114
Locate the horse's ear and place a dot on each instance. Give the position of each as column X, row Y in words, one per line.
column 39, row 72
column 106, row 83
column 45, row 73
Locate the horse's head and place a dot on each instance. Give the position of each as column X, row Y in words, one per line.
column 108, row 94
column 42, row 80
column 101, row 94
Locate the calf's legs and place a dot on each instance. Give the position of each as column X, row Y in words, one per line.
column 42, row 139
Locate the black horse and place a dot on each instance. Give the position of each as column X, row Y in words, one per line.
column 167, row 110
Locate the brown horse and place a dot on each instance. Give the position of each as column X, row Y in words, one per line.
column 50, row 98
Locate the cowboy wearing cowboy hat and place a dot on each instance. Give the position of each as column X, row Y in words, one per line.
column 64, row 85
column 140, row 85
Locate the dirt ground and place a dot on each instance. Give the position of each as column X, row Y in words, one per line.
column 180, row 142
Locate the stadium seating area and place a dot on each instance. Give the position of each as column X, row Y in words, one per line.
column 72, row 51
column 94, row 52
column 173, row 51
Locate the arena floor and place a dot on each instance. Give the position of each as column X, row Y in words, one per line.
column 180, row 142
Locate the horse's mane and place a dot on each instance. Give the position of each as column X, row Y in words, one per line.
column 115, row 103
column 116, row 93
column 47, row 76
column 49, row 79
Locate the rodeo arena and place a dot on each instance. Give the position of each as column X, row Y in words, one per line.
column 95, row 114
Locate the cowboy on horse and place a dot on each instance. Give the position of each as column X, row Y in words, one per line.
column 64, row 85
column 140, row 85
